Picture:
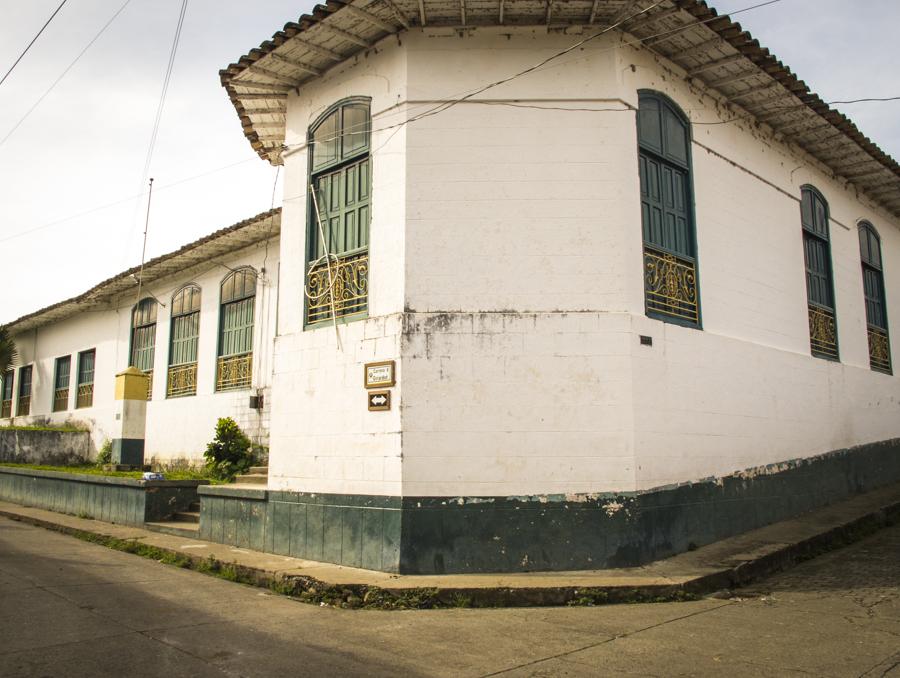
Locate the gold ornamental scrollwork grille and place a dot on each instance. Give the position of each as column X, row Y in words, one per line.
column 60, row 399
column 879, row 350
column 23, row 407
column 85, row 395
column 347, row 285
column 670, row 285
column 234, row 372
column 823, row 332
column 182, row 380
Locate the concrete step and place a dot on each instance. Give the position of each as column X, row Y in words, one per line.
column 259, row 470
column 186, row 517
column 194, row 507
column 175, row 528
column 252, row 480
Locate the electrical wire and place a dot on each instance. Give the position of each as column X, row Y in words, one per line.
column 33, row 40
column 158, row 119
column 64, row 73
column 125, row 200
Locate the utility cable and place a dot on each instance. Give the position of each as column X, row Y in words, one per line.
column 33, row 40
column 64, row 73
column 124, row 200
column 159, row 111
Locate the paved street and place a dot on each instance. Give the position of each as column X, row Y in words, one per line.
column 69, row 608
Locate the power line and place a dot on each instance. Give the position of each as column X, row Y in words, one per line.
column 165, row 88
column 33, row 40
column 64, row 73
column 156, row 122
column 449, row 103
column 124, row 200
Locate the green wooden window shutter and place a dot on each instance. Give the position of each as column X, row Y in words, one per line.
column 143, row 335
column 236, row 313
column 185, row 326
column 340, row 172
column 874, row 295
column 63, row 368
column 86, row 367
column 819, row 281
column 8, row 380
column 667, row 219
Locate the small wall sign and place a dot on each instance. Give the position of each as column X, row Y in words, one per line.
column 379, row 375
column 379, row 401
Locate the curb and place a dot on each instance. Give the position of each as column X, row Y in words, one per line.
column 311, row 590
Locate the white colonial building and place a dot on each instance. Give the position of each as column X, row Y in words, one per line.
column 639, row 288
column 203, row 329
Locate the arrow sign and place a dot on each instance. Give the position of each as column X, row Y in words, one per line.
column 379, row 401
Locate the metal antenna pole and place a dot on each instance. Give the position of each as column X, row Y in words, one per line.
column 144, row 250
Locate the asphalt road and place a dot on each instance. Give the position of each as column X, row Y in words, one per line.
column 69, row 608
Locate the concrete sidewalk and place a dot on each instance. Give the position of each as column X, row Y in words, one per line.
column 723, row 565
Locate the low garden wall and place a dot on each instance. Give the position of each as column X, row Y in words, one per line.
column 128, row 501
column 44, row 447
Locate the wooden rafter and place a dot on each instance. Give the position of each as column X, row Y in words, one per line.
column 401, row 17
column 312, row 70
column 370, row 18
column 346, row 35
column 256, row 84
column 321, row 51
column 731, row 79
column 718, row 63
column 256, row 69
column 260, row 97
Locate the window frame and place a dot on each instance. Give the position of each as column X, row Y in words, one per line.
column 29, row 370
column 187, row 369
column 220, row 333
column 79, row 383
column 312, row 175
column 131, row 357
column 9, row 381
column 865, row 226
column 810, row 231
column 687, row 166
column 66, row 359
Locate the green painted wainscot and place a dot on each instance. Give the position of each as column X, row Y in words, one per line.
column 434, row 535
column 127, row 501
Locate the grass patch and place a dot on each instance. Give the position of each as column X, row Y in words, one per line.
column 58, row 429
column 92, row 470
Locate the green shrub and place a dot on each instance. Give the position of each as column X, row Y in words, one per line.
column 229, row 453
column 104, row 454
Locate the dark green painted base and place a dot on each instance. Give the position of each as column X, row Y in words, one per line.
column 128, row 451
column 428, row 535
column 116, row 500
column 353, row 530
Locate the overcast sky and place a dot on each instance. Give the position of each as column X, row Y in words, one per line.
column 84, row 146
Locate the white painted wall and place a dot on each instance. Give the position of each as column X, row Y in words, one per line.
column 177, row 428
column 523, row 371
column 323, row 438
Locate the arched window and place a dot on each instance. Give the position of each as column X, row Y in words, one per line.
column 876, row 306
column 819, row 287
column 339, row 211
column 143, row 339
column 184, row 332
column 238, row 300
column 667, row 215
